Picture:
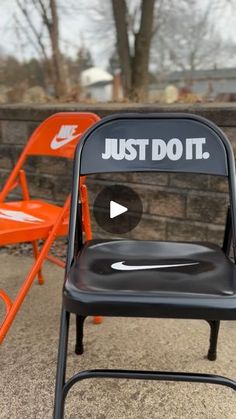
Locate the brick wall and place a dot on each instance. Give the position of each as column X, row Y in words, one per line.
column 176, row 206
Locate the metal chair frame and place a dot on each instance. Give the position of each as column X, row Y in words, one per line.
column 82, row 166
column 40, row 144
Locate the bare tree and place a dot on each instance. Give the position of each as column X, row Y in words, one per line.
column 187, row 40
column 47, row 15
column 134, row 60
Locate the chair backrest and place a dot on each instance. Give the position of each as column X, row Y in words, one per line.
column 57, row 136
column 154, row 142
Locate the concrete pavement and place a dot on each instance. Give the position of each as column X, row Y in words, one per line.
column 28, row 360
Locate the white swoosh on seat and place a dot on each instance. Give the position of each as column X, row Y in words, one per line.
column 119, row 266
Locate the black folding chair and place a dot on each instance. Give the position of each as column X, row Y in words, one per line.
column 187, row 280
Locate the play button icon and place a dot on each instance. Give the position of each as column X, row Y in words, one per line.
column 117, row 209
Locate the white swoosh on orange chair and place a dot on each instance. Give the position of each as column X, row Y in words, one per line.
column 119, row 266
column 56, row 143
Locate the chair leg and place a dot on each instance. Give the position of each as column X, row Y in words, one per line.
column 212, row 352
column 97, row 319
column 59, row 403
column 79, row 348
column 36, row 254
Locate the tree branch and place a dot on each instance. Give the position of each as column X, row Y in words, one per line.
column 37, row 35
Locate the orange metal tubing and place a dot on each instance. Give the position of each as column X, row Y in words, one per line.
column 36, row 255
column 7, row 301
column 13, row 309
column 56, row 260
column 86, row 215
column 14, row 185
column 24, row 187
column 11, row 179
column 26, row 196
column 97, row 319
column 48, row 128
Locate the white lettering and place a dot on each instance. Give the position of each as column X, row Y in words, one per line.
column 158, row 149
column 142, row 143
column 189, row 148
column 65, row 135
column 173, row 149
column 125, row 149
column 108, row 147
column 197, row 144
column 118, row 149
column 132, row 153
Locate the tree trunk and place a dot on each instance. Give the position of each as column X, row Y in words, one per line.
column 120, row 17
column 140, row 62
column 134, row 69
column 58, row 65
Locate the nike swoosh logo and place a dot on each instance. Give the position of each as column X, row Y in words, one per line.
column 55, row 144
column 119, row 266
column 18, row 216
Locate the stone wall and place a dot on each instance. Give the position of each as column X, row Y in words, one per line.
column 176, row 206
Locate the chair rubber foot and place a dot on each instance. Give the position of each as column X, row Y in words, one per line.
column 211, row 356
column 97, row 320
column 79, row 349
column 41, row 281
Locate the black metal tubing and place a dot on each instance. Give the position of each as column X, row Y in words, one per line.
column 214, row 326
column 61, row 365
column 75, row 243
column 148, row 375
column 79, row 347
column 228, row 233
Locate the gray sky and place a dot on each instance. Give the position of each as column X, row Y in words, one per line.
column 77, row 27
column 75, row 30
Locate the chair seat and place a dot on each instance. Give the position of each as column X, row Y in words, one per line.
column 23, row 221
column 156, row 279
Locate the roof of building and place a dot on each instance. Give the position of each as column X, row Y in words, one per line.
column 95, row 76
column 220, row 73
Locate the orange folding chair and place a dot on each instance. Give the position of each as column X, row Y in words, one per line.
column 31, row 220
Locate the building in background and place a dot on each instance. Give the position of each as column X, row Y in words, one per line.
column 96, row 84
column 216, row 84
